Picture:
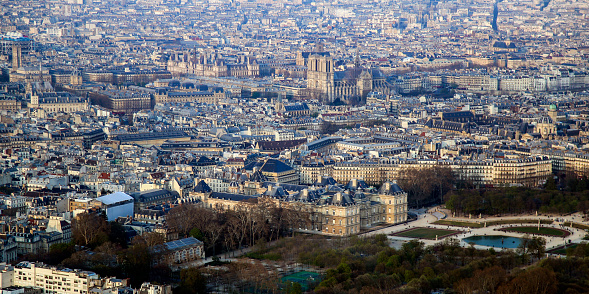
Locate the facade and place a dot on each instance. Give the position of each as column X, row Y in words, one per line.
column 213, row 65
column 58, row 102
column 184, row 97
column 355, row 83
column 183, row 250
column 9, row 103
column 530, row 172
column 324, row 209
column 127, row 101
column 51, row 279
column 118, row 204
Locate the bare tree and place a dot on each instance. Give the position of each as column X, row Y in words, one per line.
column 89, row 228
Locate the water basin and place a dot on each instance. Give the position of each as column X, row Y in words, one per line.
column 494, row 241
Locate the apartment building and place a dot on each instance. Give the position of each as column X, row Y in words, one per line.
column 51, row 279
column 530, row 171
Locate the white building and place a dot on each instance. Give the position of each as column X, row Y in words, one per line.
column 118, row 204
column 51, row 279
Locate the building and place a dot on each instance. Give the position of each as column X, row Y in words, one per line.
column 53, row 102
column 148, row 288
column 118, row 204
column 154, row 138
column 152, row 197
column 51, row 279
column 325, row 83
column 213, row 65
column 181, row 251
column 275, row 170
column 164, row 96
column 9, row 103
column 126, row 101
column 8, row 249
column 531, row 171
column 329, row 209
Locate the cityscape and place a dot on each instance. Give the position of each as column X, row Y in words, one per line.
column 294, row 146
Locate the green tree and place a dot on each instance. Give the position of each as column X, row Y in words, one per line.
column 294, row 288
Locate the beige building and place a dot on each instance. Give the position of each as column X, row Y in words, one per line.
column 195, row 97
column 213, row 65
column 529, row 171
column 329, row 210
column 9, row 103
column 53, row 280
column 58, row 102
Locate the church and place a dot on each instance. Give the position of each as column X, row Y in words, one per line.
column 348, row 86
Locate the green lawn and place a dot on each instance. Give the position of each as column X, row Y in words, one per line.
column 490, row 223
column 425, row 233
column 576, row 226
column 541, row 231
column 563, row 250
column 519, row 221
column 458, row 224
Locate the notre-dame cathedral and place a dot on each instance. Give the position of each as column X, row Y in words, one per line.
column 327, row 84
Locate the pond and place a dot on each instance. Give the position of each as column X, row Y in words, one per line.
column 494, row 241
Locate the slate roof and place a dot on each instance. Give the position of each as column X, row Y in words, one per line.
column 296, row 107
column 275, row 166
column 390, row 188
column 279, row 145
column 202, row 187
column 154, row 195
column 231, row 196
column 258, row 177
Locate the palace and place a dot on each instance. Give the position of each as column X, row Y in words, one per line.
column 213, row 65
column 325, row 208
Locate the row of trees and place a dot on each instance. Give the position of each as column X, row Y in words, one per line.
column 243, row 224
column 426, row 186
column 516, row 200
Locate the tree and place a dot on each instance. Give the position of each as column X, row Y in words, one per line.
column 533, row 281
column 153, row 238
column 136, row 262
column 294, row 288
column 59, row 252
column 482, row 281
column 536, row 246
column 90, row 229
column 426, row 185
column 191, row 282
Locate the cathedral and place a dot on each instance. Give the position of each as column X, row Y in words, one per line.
column 352, row 84
column 212, row 65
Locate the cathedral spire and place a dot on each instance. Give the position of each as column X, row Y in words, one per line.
column 357, row 59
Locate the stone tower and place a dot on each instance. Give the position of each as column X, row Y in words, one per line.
column 320, row 79
column 16, row 56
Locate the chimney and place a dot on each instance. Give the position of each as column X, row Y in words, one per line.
column 337, row 197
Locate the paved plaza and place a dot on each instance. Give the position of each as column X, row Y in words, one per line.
column 427, row 218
